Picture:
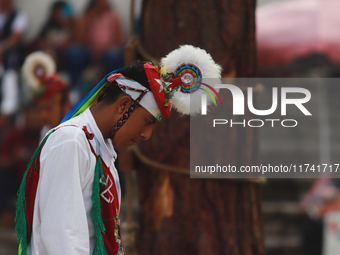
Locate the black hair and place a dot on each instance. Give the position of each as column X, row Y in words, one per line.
column 50, row 22
column 30, row 104
column 58, row 4
column 92, row 3
column 136, row 72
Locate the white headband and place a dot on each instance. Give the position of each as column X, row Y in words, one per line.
column 148, row 101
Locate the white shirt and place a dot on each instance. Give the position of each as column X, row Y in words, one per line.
column 62, row 222
column 19, row 23
column 10, row 92
column 44, row 131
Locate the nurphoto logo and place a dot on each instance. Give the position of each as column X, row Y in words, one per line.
column 239, row 104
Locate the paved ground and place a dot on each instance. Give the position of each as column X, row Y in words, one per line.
column 8, row 243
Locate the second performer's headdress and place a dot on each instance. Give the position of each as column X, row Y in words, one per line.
column 39, row 71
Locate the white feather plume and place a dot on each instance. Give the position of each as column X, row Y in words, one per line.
column 188, row 54
column 37, row 59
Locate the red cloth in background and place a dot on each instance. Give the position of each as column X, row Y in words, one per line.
column 289, row 30
column 17, row 149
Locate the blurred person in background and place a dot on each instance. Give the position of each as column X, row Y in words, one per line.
column 57, row 33
column 15, row 152
column 12, row 26
column 9, row 98
column 322, row 204
column 99, row 39
column 53, row 103
column 49, row 91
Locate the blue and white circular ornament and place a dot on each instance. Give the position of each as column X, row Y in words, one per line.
column 197, row 69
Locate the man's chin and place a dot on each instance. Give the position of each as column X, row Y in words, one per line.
column 126, row 146
column 120, row 148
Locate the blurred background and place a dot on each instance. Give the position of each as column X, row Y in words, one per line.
column 167, row 211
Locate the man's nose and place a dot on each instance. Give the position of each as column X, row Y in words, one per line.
column 147, row 132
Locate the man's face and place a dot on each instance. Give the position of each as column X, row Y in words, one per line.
column 33, row 121
column 51, row 111
column 138, row 126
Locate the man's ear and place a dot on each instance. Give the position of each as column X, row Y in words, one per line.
column 124, row 103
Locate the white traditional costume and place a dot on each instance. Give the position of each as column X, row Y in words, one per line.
column 69, row 198
column 62, row 211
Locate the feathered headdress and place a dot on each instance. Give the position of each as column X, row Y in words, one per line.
column 178, row 83
column 39, row 71
column 194, row 67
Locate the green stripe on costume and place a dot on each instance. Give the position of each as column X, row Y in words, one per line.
column 96, row 212
column 20, row 214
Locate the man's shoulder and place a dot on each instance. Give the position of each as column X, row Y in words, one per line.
column 69, row 132
column 75, row 130
column 71, row 129
column 66, row 139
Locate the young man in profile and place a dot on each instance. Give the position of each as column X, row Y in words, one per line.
column 69, row 199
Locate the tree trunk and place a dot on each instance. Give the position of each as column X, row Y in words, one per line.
column 179, row 215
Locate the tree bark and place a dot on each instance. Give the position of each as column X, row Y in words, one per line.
column 179, row 215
